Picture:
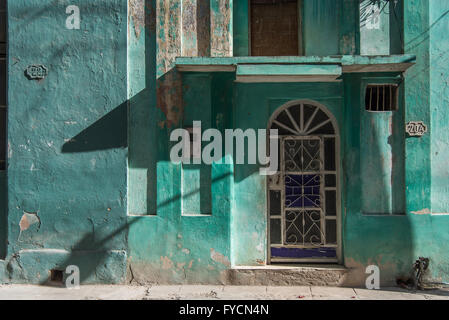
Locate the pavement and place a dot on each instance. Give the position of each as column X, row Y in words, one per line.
column 195, row 292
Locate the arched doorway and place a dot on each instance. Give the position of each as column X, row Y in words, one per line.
column 304, row 196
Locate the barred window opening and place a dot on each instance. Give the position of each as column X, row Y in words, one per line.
column 381, row 97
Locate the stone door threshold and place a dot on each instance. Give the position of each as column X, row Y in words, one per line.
column 295, row 267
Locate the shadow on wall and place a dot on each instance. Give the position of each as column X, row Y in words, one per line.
column 109, row 132
column 95, row 263
column 376, row 229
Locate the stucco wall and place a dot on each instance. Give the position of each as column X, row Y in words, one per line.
column 395, row 242
column 88, row 146
column 67, row 141
column 166, row 244
column 439, row 102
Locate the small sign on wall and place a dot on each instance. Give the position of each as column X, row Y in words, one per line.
column 36, row 72
column 416, row 128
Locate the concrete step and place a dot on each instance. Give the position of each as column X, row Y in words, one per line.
column 288, row 275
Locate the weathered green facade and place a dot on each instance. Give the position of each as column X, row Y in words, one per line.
column 89, row 145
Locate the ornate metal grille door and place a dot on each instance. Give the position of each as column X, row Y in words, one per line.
column 303, row 199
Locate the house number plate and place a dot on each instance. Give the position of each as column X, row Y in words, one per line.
column 416, row 128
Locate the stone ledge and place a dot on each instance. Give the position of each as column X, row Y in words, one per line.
column 275, row 275
column 349, row 64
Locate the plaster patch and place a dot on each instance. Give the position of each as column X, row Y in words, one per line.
column 421, row 212
column 186, row 251
column 28, row 219
column 218, row 257
column 166, row 263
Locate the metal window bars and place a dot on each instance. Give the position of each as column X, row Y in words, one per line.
column 381, row 97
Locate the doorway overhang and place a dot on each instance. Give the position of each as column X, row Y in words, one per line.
column 295, row 69
column 259, row 73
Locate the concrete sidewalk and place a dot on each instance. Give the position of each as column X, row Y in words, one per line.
column 189, row 292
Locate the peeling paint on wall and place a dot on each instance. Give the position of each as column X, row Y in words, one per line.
column 168, row 31
column 196, row 28
column 169, row 99
column 423, row 211
column 28, row 219
column 220, row 258
column 52, row 184
column 166, row 263
column 189, row 28
column 221, row 28
column 136, row 9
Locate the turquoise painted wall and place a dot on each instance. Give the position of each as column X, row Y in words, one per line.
column 188, row 240
column 375, row 227
column 399, row 240
column 89, row 145
column 3, row 217
column 390, row 232
column 321, row 27
column 254, row 105
column 325, row 31
column 67, row 145
column 241, row 28
column 439, row 98
column 381, row 149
